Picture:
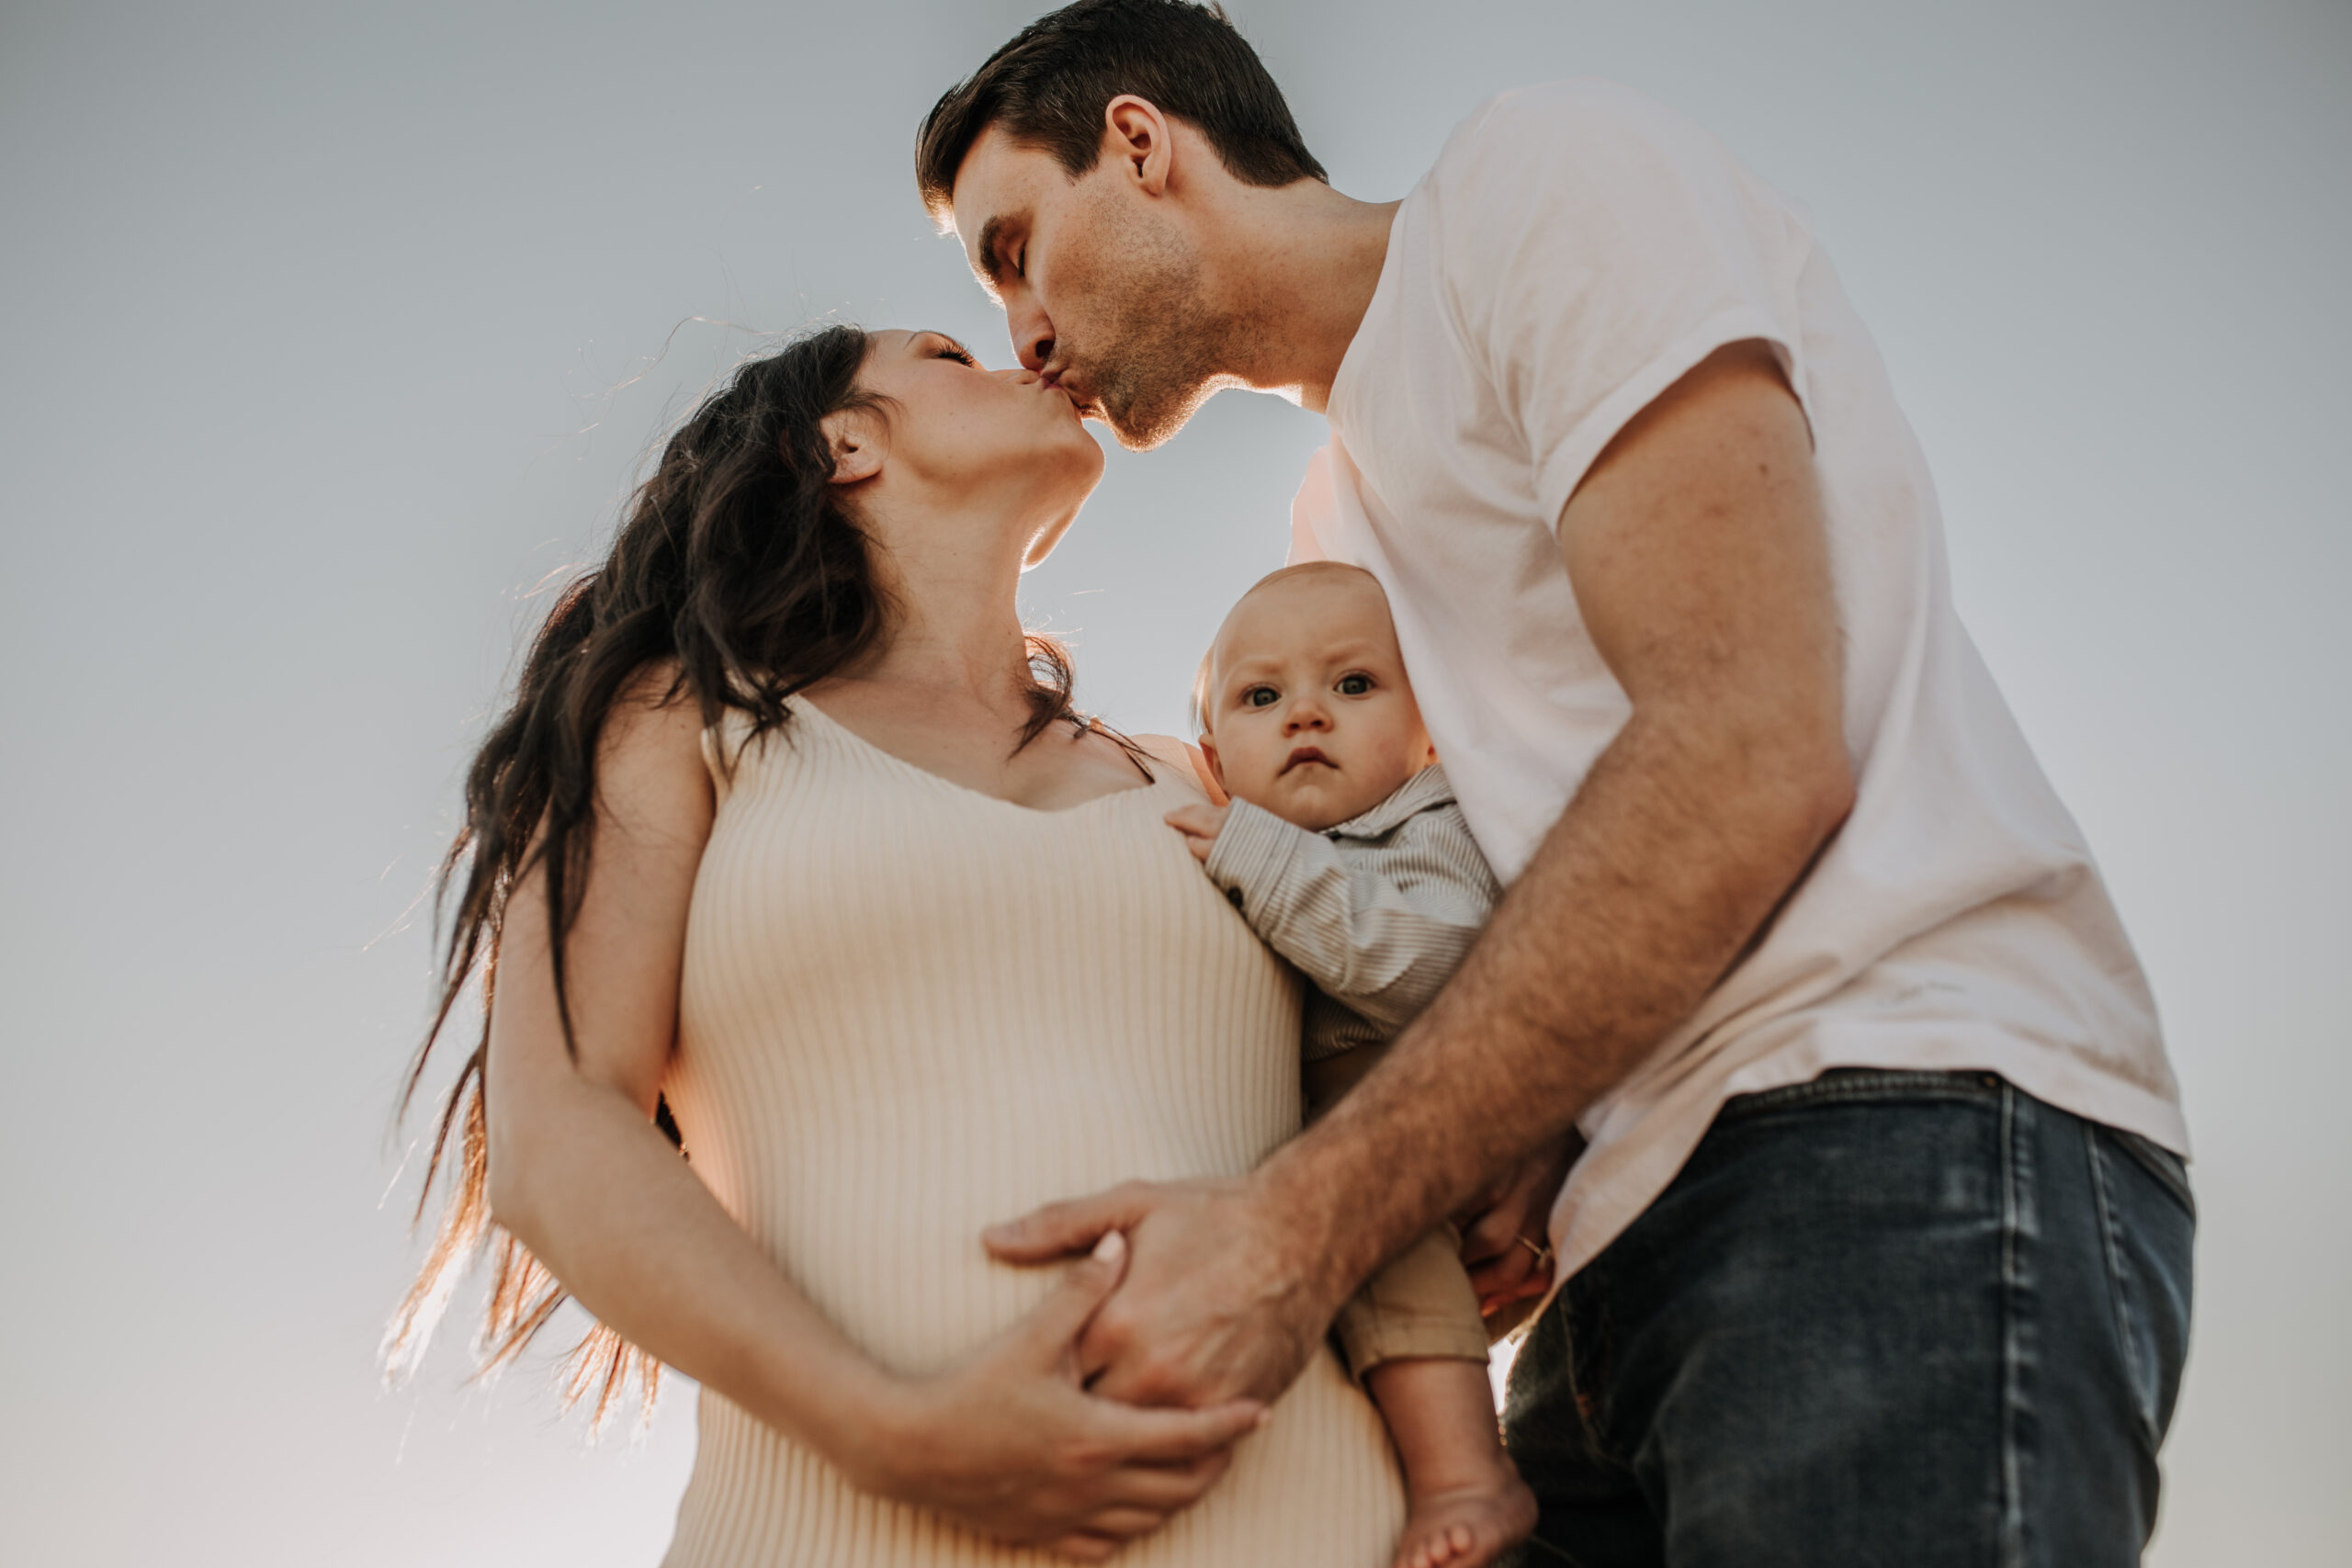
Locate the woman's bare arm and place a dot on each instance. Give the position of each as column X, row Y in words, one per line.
column 1008, row 1442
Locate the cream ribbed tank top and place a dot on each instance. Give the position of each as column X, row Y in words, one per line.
column 910, row 1010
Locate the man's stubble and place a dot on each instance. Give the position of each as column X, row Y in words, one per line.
column 1158, row 336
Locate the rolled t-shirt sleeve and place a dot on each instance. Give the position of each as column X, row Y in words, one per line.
column 1595, row 247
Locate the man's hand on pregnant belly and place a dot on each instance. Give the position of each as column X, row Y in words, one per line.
column 1011, row 1444
column 1222, row 1300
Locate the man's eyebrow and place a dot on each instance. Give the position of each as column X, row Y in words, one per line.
column 991, row 261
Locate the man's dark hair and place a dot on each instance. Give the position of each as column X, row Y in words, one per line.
column 1049, row 86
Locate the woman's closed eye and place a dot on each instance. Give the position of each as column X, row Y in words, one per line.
column 957, row 351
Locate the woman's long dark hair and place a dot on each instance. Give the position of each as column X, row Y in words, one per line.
column 738, row 572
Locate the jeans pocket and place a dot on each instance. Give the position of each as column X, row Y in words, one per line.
column 2169, row 1169
column 2148, row 1224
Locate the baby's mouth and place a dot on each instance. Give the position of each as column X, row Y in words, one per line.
column 1305, row 754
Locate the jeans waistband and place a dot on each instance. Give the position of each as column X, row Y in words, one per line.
column 1864, row 1086
column 1861, row 1084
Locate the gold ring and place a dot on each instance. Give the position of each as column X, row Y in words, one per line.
column 1542, row 1253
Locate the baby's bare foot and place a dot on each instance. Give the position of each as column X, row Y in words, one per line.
column 1467, row 1526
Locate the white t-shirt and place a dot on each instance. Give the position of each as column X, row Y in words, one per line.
column 1577, row 249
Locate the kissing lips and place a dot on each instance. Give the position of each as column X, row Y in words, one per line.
column 1058, row 378
column 1304, row 755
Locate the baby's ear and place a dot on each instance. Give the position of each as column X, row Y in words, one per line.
column 1211, row 771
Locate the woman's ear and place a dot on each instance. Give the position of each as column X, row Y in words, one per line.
column 855, row 438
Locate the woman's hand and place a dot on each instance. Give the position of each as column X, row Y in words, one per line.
column 1010, row 1443
column 1505, row 1239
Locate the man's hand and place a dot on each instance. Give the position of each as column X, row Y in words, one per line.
column 1199, row 825
column 1222, row 1301
column 1506, row 1241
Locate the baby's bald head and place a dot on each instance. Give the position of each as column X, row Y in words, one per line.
column 1302, row 703
column 1308, row 574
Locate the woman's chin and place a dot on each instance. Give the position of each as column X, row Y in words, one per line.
column 1041, row 543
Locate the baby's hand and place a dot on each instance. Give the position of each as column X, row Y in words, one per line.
column 1199, row 826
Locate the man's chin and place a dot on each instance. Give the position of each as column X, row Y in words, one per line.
column 1140, row 426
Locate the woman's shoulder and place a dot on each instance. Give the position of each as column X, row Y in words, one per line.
column 653, row 754
column 1183, row 761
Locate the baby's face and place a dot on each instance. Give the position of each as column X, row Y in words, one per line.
column 1309, row 711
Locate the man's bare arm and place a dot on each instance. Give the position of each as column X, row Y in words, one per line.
column 1697, row 551
column 1699, row 559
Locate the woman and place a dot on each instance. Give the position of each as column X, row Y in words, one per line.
column 793, row 833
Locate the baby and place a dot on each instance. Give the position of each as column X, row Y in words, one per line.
column 1345, row 849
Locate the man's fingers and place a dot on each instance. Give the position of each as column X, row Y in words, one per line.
column 1060, row 1229
column 1504, row 1271
column 1490, row 1297
column 1492, row 1233
column 1081, row 1547
column 1054, row 1324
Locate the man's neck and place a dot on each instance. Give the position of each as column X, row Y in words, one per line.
column 1298, row 265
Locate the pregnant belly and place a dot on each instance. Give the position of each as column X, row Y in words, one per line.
column 870, row 1187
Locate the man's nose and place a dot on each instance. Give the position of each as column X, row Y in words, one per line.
column 1032, row 335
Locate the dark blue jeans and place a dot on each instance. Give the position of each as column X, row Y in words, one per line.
column 1880, row 1318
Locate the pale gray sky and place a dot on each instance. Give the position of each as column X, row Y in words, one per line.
column 332, row 329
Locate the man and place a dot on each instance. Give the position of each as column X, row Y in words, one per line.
column 1880, row 1249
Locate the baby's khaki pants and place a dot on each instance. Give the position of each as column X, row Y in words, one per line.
column 1420, row 1304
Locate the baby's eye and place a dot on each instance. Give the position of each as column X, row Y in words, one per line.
column 1354, row 685
column 1259, row 696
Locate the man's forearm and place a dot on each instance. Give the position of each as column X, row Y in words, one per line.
column 1684, row 837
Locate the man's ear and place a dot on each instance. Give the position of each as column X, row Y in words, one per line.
column 1135, row 134
column 854, row 436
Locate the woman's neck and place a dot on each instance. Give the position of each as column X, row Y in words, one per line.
column 955, row 640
